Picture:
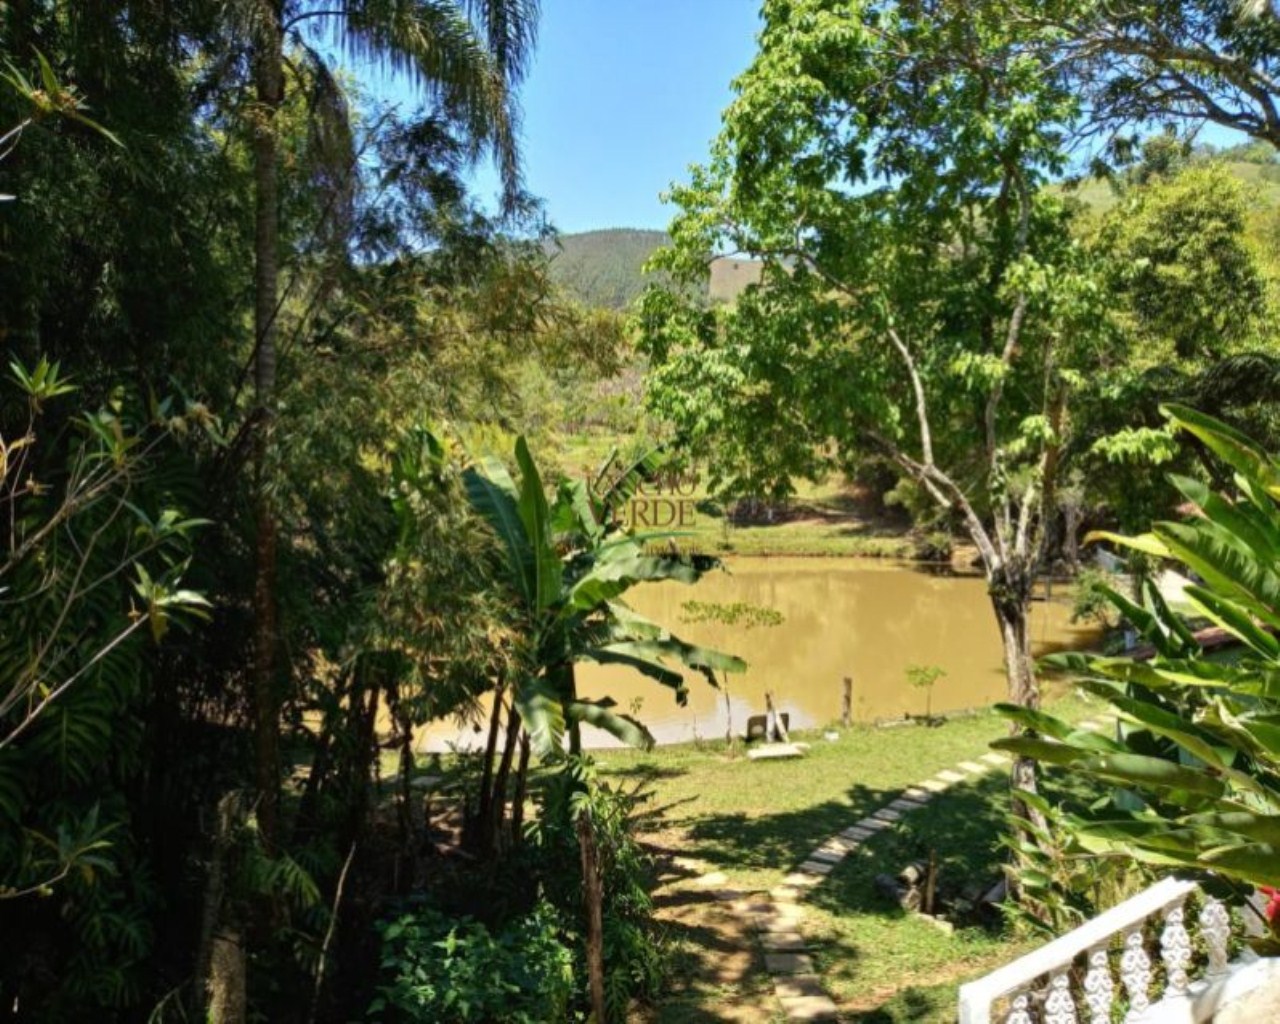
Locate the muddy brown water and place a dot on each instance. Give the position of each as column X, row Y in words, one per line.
column 868, row 620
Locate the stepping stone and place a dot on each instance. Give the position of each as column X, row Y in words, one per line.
column 715, row 878
column 827, row 856
column 685, row 864
column 947, row 775
column 727, row 895
column 904, row 805
column 974, row 768
column 783, row 942
column 878, row 824
column 780, row 923
column 802, row 878
column 935, row 785
column 771, row 751
column 788, row 963
column 784, row 894
column 846, row 846
column 809, row 1008
column 996, row 758
column 798, row 986
column 816, row 867
column 920, row 796
column 857, row 832
column 887, row 814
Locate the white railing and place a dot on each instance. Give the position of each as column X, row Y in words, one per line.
column 1071, row 980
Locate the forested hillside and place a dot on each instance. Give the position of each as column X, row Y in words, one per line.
column 604, row 268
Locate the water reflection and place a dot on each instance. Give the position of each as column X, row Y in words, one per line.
column 841, row 617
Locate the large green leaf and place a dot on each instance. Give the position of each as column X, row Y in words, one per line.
column 1234, row 619
column 629, row 625
column 1248, row 861
column 1234, row 448
column 1226, row 569
column 601, row 714
column 614, row 489
column 1264, row 828
column 492, row 493
column 1048, row 725
column 623, row 567
column 1146, row 771
column 543, row 714
column 536, row 517
column 622, row 654
column 574, row 512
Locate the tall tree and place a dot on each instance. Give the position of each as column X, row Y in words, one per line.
column 465, row 56
column 1152, row 61
column 921, row 298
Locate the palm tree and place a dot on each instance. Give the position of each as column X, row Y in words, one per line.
column 569, row 564
column 467, row 56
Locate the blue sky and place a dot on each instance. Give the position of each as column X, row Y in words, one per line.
column 622, row 97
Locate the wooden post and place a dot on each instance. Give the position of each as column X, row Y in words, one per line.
column 775, row 730
column 846, row 703
column 593, row 898
column 931, row 882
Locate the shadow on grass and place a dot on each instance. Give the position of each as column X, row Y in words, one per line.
column 779, row 841
column 645, row 772
column 962, row 827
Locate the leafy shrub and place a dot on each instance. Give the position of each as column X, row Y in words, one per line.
column 635, row 954
column 1089, row 600
column 442, row 970
column 1196, row 765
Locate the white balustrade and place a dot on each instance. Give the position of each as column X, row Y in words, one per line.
column 1072, row 978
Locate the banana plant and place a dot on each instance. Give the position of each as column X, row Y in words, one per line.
column 569, row 562
column 1195, row 766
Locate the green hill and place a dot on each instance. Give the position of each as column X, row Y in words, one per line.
column 1261, row 181
column 603, row 268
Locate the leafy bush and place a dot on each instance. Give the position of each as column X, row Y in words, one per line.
column 1089, row 600
column 1197, row 763
column 442, row 970
column 635, row 954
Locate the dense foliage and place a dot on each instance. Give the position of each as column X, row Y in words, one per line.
column 273, row 378
column 1195, row 764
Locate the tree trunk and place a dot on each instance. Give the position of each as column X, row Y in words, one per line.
column 593, row 900
column 269, row 85
column 486, row 773
column 360, row 762
column 404, row 790
column 571, row 694
column 522, row 782
column 217, row 983
column 227, row 979
column 498, row 808
column 1011, row 599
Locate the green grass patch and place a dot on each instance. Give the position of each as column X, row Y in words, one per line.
column 757, row 820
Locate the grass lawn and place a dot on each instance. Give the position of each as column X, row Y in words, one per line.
column 756, row 821
column 820, row 519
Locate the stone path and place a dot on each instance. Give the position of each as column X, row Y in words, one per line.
column 777, row 917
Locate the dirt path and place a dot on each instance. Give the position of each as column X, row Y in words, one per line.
column 719, row 971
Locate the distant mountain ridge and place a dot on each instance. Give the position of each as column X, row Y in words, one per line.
column 604, row 268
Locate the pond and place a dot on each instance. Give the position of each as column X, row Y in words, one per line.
column 865, row 619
